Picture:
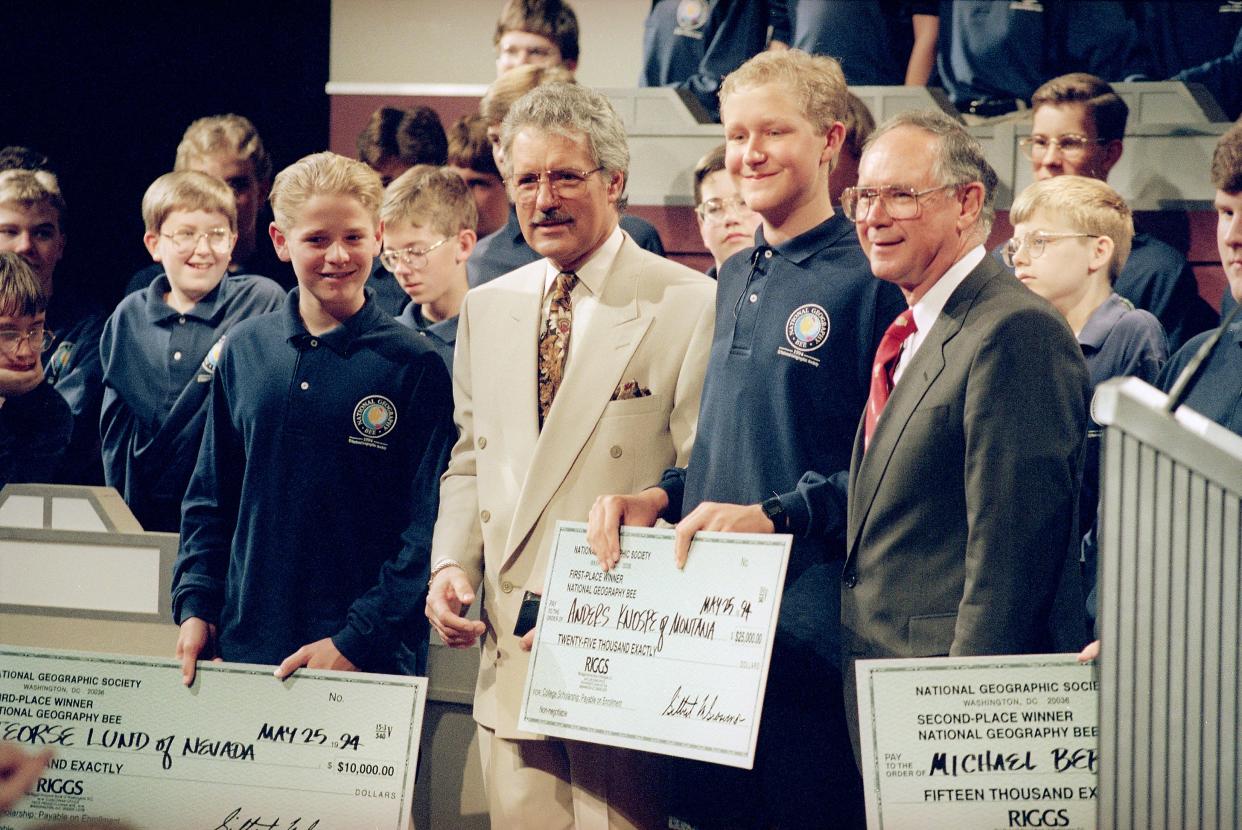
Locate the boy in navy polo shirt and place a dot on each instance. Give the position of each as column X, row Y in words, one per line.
column 798, row 320
column 1071, row 238
column 161, row 345
column 429, row 219
column 306, row 527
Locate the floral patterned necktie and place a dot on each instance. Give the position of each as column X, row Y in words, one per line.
column 554, row 341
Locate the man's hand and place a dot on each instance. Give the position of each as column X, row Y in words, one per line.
column 321, row 654
column 197, row 641
column 610, row 512
column 1090, row 652
column 18, row 773
column 528, row 640
column 447, row 595
column 714, row 516
column 15, row 383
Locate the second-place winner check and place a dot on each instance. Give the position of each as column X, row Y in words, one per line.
column 240, row 750
column 650, row 657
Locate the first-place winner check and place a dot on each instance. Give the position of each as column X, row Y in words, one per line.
column 655, row 658
column 240, row 750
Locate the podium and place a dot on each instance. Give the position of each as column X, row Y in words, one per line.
column 1169, row 615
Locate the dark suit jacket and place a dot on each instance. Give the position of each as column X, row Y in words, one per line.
column 961, row 514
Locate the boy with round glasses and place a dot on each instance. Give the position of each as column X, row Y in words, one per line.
column 161, row 345
column 429, row 219
column 1077, row 129
column 35, row 422
column 1071, row 239
column 726, row 224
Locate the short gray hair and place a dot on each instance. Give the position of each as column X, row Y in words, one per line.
column 960, row 159
column 573, row 111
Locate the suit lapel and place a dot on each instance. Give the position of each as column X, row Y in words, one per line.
column 867, row 469
column 614, row 332
column 515, row 382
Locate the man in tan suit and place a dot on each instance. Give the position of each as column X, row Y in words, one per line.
column 576, row 375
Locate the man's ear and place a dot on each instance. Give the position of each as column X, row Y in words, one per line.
column 279, row 243
column 971, row 199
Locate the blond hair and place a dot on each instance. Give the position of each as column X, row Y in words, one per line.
column 509, row 87
column 30, row 189
column 187, row 190
column 224, row 134
column 1088, row 205
column 433, row 197
column 815, row 81
column 21, row 290
column 324, row 174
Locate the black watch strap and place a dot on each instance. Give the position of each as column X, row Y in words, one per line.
column 774, row 510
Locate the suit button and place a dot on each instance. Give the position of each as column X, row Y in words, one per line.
column 506, row 587
column 615, row 452
column 482, row 443
column 485, row 515
column 851, row 580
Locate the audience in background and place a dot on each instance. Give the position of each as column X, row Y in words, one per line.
column 32, row 216
column 536, row 32
column 470, row 156
column 1078, row 127
column 878, row 42
column 394, row 140
column 726, row 224
column 429, row 219
column 229, row 148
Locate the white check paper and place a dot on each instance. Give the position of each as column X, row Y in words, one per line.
column 979, row 742
column 651, row 657
column 239, row 749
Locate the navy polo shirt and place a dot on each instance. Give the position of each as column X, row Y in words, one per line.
column 34, row 431
column 1180, row 34
column 442, row 335
column 797, row 326
column 1156, row 277
column 693, row 45
column 1117, row 340
column 157, row 368
column 310, row 510
column 71, row 365
column 1217, row 394
column 506, row 249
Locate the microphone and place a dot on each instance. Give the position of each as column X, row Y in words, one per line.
column 1186, row 380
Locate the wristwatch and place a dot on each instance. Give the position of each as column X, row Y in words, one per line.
column 775, row 511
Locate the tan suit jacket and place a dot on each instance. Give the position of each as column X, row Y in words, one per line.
column 508, row 483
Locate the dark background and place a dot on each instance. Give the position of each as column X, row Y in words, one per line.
column 107, row 89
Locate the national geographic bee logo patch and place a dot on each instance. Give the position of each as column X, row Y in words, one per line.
column 805, row 331
column 210, row 362
column 374, row 418
column 692, row 17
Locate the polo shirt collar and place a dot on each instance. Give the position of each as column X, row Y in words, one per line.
column 158, row 310
column 805, row 245
column 1095, row 331
column 341, row 338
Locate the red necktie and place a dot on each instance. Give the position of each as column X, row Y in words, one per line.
column 882, row 370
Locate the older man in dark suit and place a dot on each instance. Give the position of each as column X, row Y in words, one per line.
column 964, row 477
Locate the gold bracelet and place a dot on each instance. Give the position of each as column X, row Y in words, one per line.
column 443, row 564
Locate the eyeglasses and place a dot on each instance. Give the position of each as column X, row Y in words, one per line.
column 39, row 338
column 1035, row 244
column 564, row 183
column 219, row 240
column 410, row 257
column 715, row 210
column 899, row 202
column 1073, row 146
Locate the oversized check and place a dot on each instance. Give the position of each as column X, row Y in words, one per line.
column 979, row 742
column 240, row 750
column 650, row 657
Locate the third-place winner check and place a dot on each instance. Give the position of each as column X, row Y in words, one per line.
column 655, row 658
